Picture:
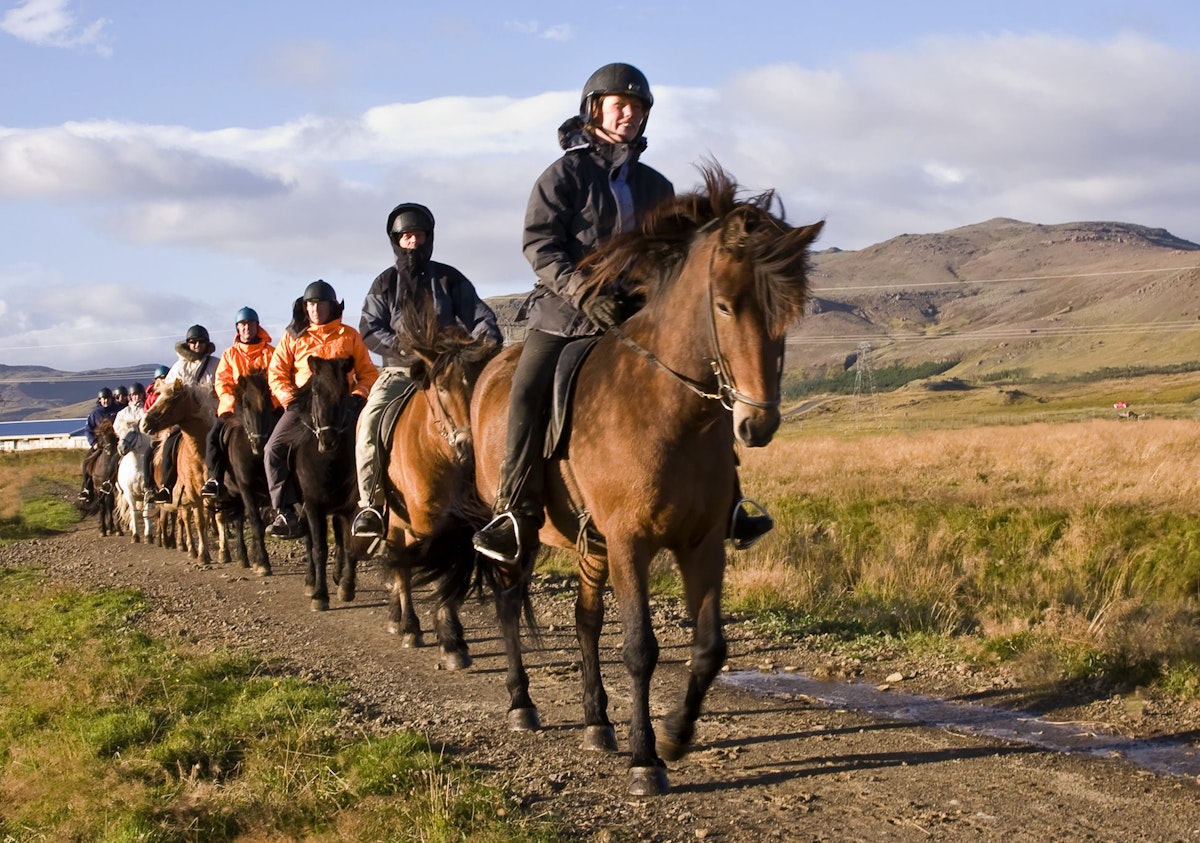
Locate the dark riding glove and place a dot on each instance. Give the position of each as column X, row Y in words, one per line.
column 357, row 402
column 603, row 311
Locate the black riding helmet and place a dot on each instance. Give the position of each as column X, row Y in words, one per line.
column 121, row 391
column 409, row 216
column 104, row 392
column 137, row 389
column 616, row 78
column 320, row 291
column 196, row 332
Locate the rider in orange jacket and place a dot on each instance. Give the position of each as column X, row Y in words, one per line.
column 316, row 331
column 250, row 353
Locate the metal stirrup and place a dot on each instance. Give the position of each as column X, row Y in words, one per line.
column 753, row 508
column 511, row 516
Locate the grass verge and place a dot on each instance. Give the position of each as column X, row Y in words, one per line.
column 109, row 734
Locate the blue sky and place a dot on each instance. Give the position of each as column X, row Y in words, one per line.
column 165, row 163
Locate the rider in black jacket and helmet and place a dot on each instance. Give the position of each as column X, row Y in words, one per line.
column 597, row 189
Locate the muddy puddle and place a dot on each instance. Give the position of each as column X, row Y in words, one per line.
column 1163, row 756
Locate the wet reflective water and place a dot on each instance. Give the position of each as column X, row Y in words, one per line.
column 1166, row 756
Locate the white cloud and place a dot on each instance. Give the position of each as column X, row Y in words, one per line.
column 49, row 23
column 951, row 132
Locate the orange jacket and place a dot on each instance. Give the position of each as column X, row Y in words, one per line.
column 289, row 364
column 238, row 360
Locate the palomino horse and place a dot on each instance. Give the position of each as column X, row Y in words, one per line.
column 185, row 405
column 649, row 464
column 246, row 432
column 429, row 468
column 103, row 472
column 322, row 456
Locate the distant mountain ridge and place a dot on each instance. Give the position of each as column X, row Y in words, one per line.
column 997, row 296
column 42, row 392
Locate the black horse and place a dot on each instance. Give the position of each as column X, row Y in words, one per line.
column 322, row 461
column 103, row 474
column 246, row 497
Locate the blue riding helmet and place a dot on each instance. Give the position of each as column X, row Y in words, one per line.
column 246, row 314
column 161, row 372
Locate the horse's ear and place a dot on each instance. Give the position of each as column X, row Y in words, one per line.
column 347, row 365
column 810, row 233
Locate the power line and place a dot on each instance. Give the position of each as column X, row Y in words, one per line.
column 963, row 282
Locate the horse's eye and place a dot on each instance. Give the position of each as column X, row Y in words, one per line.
column 723, row 308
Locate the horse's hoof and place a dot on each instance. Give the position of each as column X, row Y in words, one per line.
column 648, row 781
column 346, row 595
column 409, row 640
column 600, row 739
column 523, row 720
column 319, row 606
column 669, row 750
column 262, row 570
column 456, row 660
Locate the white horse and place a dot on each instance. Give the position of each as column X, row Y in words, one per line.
column 131, row 484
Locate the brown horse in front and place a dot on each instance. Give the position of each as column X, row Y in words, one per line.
column 185, row 405
column 649, row 464
column 431, row 457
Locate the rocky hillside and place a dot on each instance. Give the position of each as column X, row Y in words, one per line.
column 1005, row 295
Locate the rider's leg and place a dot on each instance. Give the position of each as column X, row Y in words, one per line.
column 368, row 521
column 518, row 507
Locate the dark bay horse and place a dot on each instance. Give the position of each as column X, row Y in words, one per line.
column 188, row 406
column 322, row 456
column 103, row 472
column 247, row 497
column 429, row 478
column 659, row 405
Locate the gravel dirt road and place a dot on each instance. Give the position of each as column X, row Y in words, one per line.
column 762, row 769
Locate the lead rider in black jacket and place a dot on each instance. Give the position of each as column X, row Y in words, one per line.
column 597, row 189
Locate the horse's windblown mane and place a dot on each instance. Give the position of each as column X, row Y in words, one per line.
column 646, row 261
column 423, row 337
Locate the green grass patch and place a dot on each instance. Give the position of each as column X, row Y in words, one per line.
column 1107, row 595
column 108, row 734
column 41, row 516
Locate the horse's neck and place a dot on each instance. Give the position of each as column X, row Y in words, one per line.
column 676, row 333
column 196, row 426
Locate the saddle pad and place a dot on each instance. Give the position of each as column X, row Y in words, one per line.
column 387, row 420
column 569, row 361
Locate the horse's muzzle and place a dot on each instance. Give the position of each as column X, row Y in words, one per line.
column 754, row 427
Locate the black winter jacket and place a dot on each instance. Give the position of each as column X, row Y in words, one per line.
column 455, row 300
column 571, row 211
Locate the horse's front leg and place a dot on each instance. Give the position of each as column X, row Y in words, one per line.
column 512, row 598
column 703, row 574
column 589, row 621
column 402, row 614
column 639, row 651
column 225, row 529
column 451, row 639
column 345, row 566
column 259, row 560
column 318, row 559
column 198, row 517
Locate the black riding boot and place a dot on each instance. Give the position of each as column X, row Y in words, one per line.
column 748, row 523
